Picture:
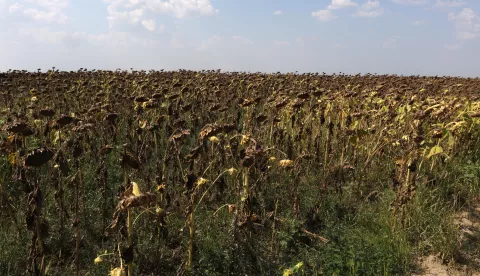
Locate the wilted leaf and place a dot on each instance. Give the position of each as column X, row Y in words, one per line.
column 135, row 201
column 118, row 272
column 13, row 157
column 201, row 181
column 232, row 171
column 136, row 189
column 286, row 163
column 434, row 151
column 98, row 260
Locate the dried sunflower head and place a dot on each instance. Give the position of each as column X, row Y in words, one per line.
column 141, row 99
column 160, row 212
column 247, row 161
column 38, row 157
column 231, row 208
column 210, row 130
column 161, row 188
column 47, row 112
column 128, row 159
column 111, row 118
column 64, row 120
column 17, row 128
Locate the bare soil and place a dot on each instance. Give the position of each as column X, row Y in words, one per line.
column 468, row 263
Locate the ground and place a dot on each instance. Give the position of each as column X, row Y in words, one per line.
column 468, row 223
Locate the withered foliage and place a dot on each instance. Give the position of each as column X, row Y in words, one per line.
column 245, row 159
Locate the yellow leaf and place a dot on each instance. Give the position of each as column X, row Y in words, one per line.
column 286, row 163
column 451, row 140
column 98, row 260
column 143, row 124
column 244, row 140
column 13, row 157
column 118, row 272
column 201, row 181
column 291, row 271
column 214, row 139
column 56, row 137
column 298, row 266
column 136, row 189
column 232, row 171
column 434, row 151
column 37, row 122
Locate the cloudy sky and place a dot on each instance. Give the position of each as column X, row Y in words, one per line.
column 427, row 37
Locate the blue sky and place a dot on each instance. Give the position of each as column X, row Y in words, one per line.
column 409, row 37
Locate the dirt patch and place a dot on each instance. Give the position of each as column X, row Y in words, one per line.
column 468, row 263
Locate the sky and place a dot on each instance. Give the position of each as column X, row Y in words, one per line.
column 405, row 37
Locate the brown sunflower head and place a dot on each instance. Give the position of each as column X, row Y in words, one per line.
column 47, row 112
column 38, row 157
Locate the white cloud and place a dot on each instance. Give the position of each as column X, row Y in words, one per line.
column 135, row 11
column 48, row 16
column 149, row 24
column 14, row 8
column 300, row 40
column 132, row 17
column 466, row 35
column 390, row 41
column 281, row 42
column 242, row 40
column 133, row 3
column 177, row 43
column 467, row 23
column 43, row 35
column 182, row 8
column 452, row 47
column 327, row 15
column 51, row 4
column 410, row 2
column 324, row 15
column 419, row 22
column 278, row 12
column 449, row 3
column 50, row 11
column 466, row 16
column 340, row 4
column 341, row 46
column 111, row 39
column 370, row 9
column 3, row 7
column 209, row 43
